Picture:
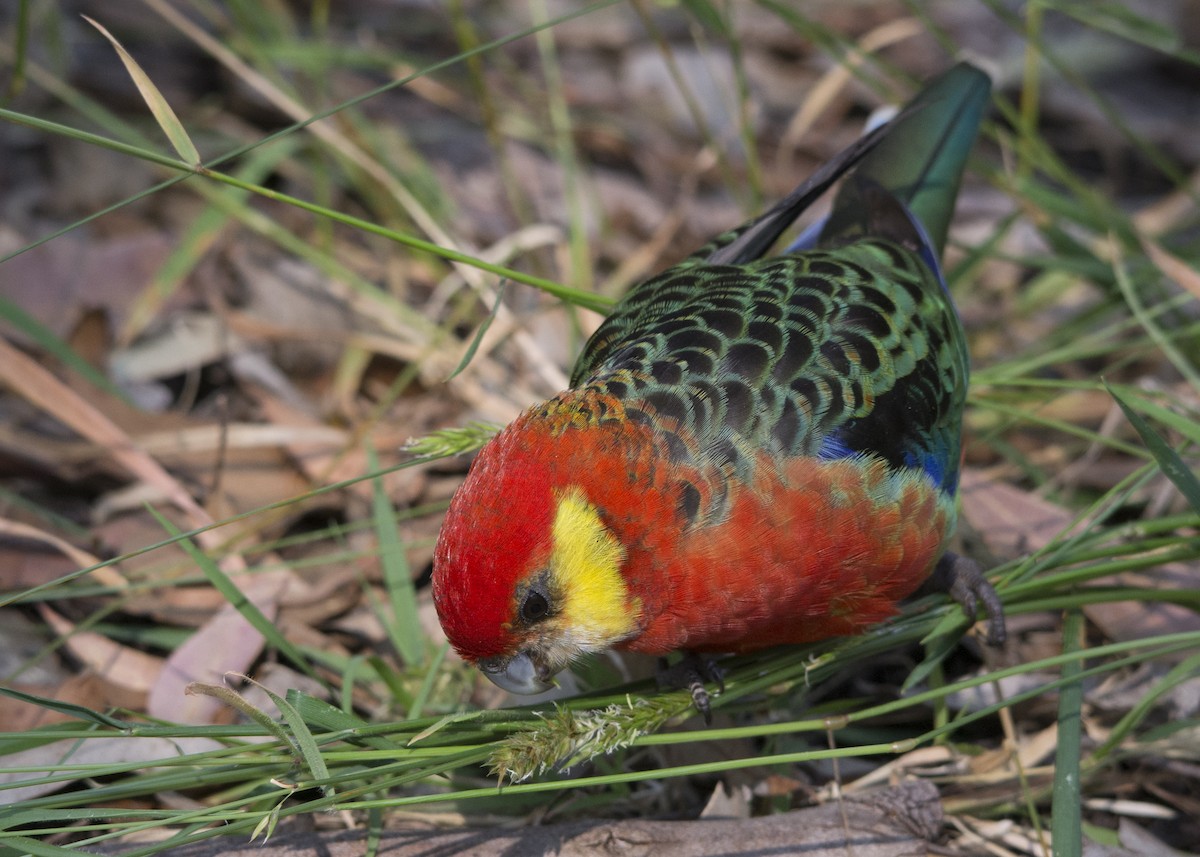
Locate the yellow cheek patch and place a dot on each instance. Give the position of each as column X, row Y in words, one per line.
column 585, row 562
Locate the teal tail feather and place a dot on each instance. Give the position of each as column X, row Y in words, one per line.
column 919, row 161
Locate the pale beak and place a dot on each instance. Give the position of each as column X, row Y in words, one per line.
column 518, row 674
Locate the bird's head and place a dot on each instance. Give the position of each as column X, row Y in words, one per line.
column 528, row 572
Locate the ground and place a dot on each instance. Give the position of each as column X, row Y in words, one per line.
column 204, row 357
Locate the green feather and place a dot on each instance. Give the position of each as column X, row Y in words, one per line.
column 849, row 347
column 920, row 159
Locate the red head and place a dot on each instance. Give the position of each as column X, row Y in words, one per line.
column 529, row 570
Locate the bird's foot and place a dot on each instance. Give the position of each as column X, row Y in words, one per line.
column 692, row 673
column 963, row 579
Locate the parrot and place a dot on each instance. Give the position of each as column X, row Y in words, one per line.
column 755, row 449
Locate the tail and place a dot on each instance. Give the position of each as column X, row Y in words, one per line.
column 919, row 161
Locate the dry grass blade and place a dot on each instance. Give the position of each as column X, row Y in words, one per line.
column 43, row 390
column 1174, row 267
column 163, row 114
column 106, row 575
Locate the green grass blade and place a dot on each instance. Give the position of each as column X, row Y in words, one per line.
column 247, row 608
column 432, row 671
column 1133, row 296
column 16, row 83
column 1066, row 818
column 1185, row 671
column 236, row 701
column 54, row 345
column 70, row 709
column 305, row 743
column 1129, row 22
column 26, row 845
column 329, row 718
column 1172, row 465
column 403, row 625
column 479, row 334
column 204, row 230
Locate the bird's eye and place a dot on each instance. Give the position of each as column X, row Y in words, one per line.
column 535, row 606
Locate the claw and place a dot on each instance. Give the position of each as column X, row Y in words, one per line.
column 692, row 673
column 963, row 579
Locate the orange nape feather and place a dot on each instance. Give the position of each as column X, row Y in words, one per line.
column 804, row 550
